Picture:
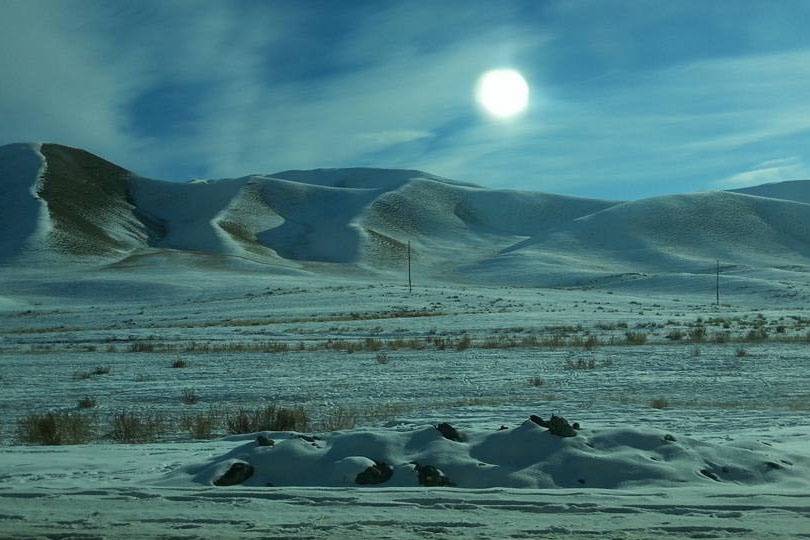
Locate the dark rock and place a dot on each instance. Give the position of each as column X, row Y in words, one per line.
column 308, row 438
column 503, row 428
column 669, row 438
column 539, row 421
column 378, row 473
column 710, row 474
column 264, row 440
column 581, row 481
column 236, row 474
column 773, row 465
column 560, row 427
column 575, row 425
column 449, row 432
column 430, row 476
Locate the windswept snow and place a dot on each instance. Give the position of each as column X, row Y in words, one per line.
column 527, row 456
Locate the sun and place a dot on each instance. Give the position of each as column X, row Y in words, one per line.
column 503, row 93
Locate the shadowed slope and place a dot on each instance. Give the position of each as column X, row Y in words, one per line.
column 21, row 210
column 89, row 202
column 796, row 190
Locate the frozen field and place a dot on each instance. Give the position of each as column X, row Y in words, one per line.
column 733, row 395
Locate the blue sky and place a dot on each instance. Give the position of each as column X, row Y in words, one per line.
column 628, row 99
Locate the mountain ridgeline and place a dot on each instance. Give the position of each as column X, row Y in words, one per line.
column 65, row 206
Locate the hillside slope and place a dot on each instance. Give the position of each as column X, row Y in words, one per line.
column 794, row 190
column 671, row 234
column 66, row 206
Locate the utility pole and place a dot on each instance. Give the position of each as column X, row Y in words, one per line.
column 410, row 284
column 717, row 283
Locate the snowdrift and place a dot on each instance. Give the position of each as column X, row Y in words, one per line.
column 528, row 456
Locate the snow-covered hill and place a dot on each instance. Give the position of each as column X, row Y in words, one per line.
column 68, row 206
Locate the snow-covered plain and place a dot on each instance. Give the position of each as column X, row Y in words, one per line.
column 289, row 289
column 742, row 420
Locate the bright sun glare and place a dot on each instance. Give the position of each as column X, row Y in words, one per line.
column 503, row 92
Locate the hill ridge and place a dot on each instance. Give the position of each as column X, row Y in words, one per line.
column 67, row 206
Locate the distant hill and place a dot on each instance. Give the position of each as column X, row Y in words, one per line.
column 795, row 190
column 65, row 206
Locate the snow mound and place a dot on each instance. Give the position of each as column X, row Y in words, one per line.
column 528, row 456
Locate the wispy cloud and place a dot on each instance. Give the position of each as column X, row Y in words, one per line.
column 775, row 170
column 656, row 99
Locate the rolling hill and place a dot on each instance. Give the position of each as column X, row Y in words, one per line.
column 65, row 206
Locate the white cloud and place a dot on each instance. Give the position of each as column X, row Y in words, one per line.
column 775, row 170
column 381, row 139
column 397, row 90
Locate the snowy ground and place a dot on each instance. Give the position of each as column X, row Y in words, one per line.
column 727, row 412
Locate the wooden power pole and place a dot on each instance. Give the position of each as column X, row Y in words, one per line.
column 717, row 283
column 410, row 284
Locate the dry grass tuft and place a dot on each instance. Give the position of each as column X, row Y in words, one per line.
column 268, row 418
column 132, row 427
column 201, row 425
column 56, row 428
column 659, row 403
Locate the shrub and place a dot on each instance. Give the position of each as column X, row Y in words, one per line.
column 241, row 421
column 373, row 344
column 635, row 338
column 740, row 352
column 591, row 342
column 463, row 344
column 659, row 403
column 201, row 425
column 84, row 375
column 268, row 418
column 537, row 381
column 338, row 419
column 697, row 333
column 141, row 347
column 695, row 352
column 55, row 428
column 179, row 363
column 290, row 420
column 675, row 335
column 87, row 403
column 381, row 358
column 581, row 364
column 135, row 428
column 190, row 396
column 757, row 334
